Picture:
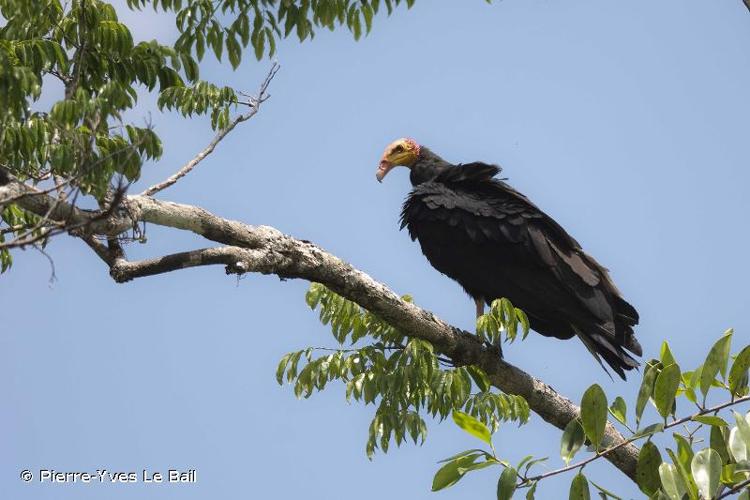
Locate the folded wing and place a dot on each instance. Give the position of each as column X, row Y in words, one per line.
column 494, row 242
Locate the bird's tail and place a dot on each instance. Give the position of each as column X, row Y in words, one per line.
column 612, row 349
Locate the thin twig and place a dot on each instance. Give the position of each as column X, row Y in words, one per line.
column 602, row 453
column 53, row 275
column 708, row 410
column 11, row 229
column 737, row 487
column 254, row 104
column 28, row 238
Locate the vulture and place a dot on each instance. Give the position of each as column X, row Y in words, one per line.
column 476, row 229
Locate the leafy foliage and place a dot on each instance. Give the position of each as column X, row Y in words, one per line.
column 261, row 23
column 502, row 317
column 404, row 378
column 696, row 470
column 80, row 56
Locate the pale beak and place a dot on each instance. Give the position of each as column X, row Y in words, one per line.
column 383, row 169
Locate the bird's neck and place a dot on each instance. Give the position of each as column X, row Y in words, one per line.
column 427, row 167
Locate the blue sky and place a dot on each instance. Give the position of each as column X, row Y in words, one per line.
column 626, row 121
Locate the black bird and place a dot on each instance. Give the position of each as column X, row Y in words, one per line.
column 494, row 242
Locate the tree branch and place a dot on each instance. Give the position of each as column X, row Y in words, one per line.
column 266, row 250
column 609, row 450
column 57, row 215
column 254, row 103
column 238, row 261
column 746, row 483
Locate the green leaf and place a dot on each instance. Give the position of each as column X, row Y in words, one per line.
column 693, row 378
column 282, row 366
column 665, row 389
column 190, row 67
column 666, row 355
column 472, row 426
column 647, row 469
column 572, row 439
column 535, row 462
column 524, row 320
column 356, row 26
column 473, row 451
column 479, row 465
column 452, row 472
column 716, row 361
column 685, row 474
column 737, row 446
column 532, row 490
column 728, row 473
column 741, row 469
column 619, row 410
column 605, row 493
column 706, row 469
column 711, row 420
column 684, row 450
column 647, row 388
column 259, row 45
column 738, row 372
column 649, row 430
column 579, row 488
column 743, row 428
column 313, row 295
column 479, row 377
column 367, row 12
column 506, row 485
column 523, row 461
column 234, row 51
column 594, row 414
column 718, row 441
column 672, row 482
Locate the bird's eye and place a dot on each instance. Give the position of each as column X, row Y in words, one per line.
column 398, row 149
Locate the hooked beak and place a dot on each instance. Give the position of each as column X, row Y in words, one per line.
column 384, row 167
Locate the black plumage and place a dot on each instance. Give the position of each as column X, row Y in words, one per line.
column 495, row 243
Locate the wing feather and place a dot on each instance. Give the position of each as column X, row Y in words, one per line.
column 501, row 243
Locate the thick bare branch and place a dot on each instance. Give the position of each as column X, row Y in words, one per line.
column 234, row 258
column 43, row 204
column 99, row 249
column 59, row 216
column 254, row 104
column 266, row 250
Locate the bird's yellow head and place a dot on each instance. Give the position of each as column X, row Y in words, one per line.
column 402, row 152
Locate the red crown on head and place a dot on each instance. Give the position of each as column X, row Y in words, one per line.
column 414, row 144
